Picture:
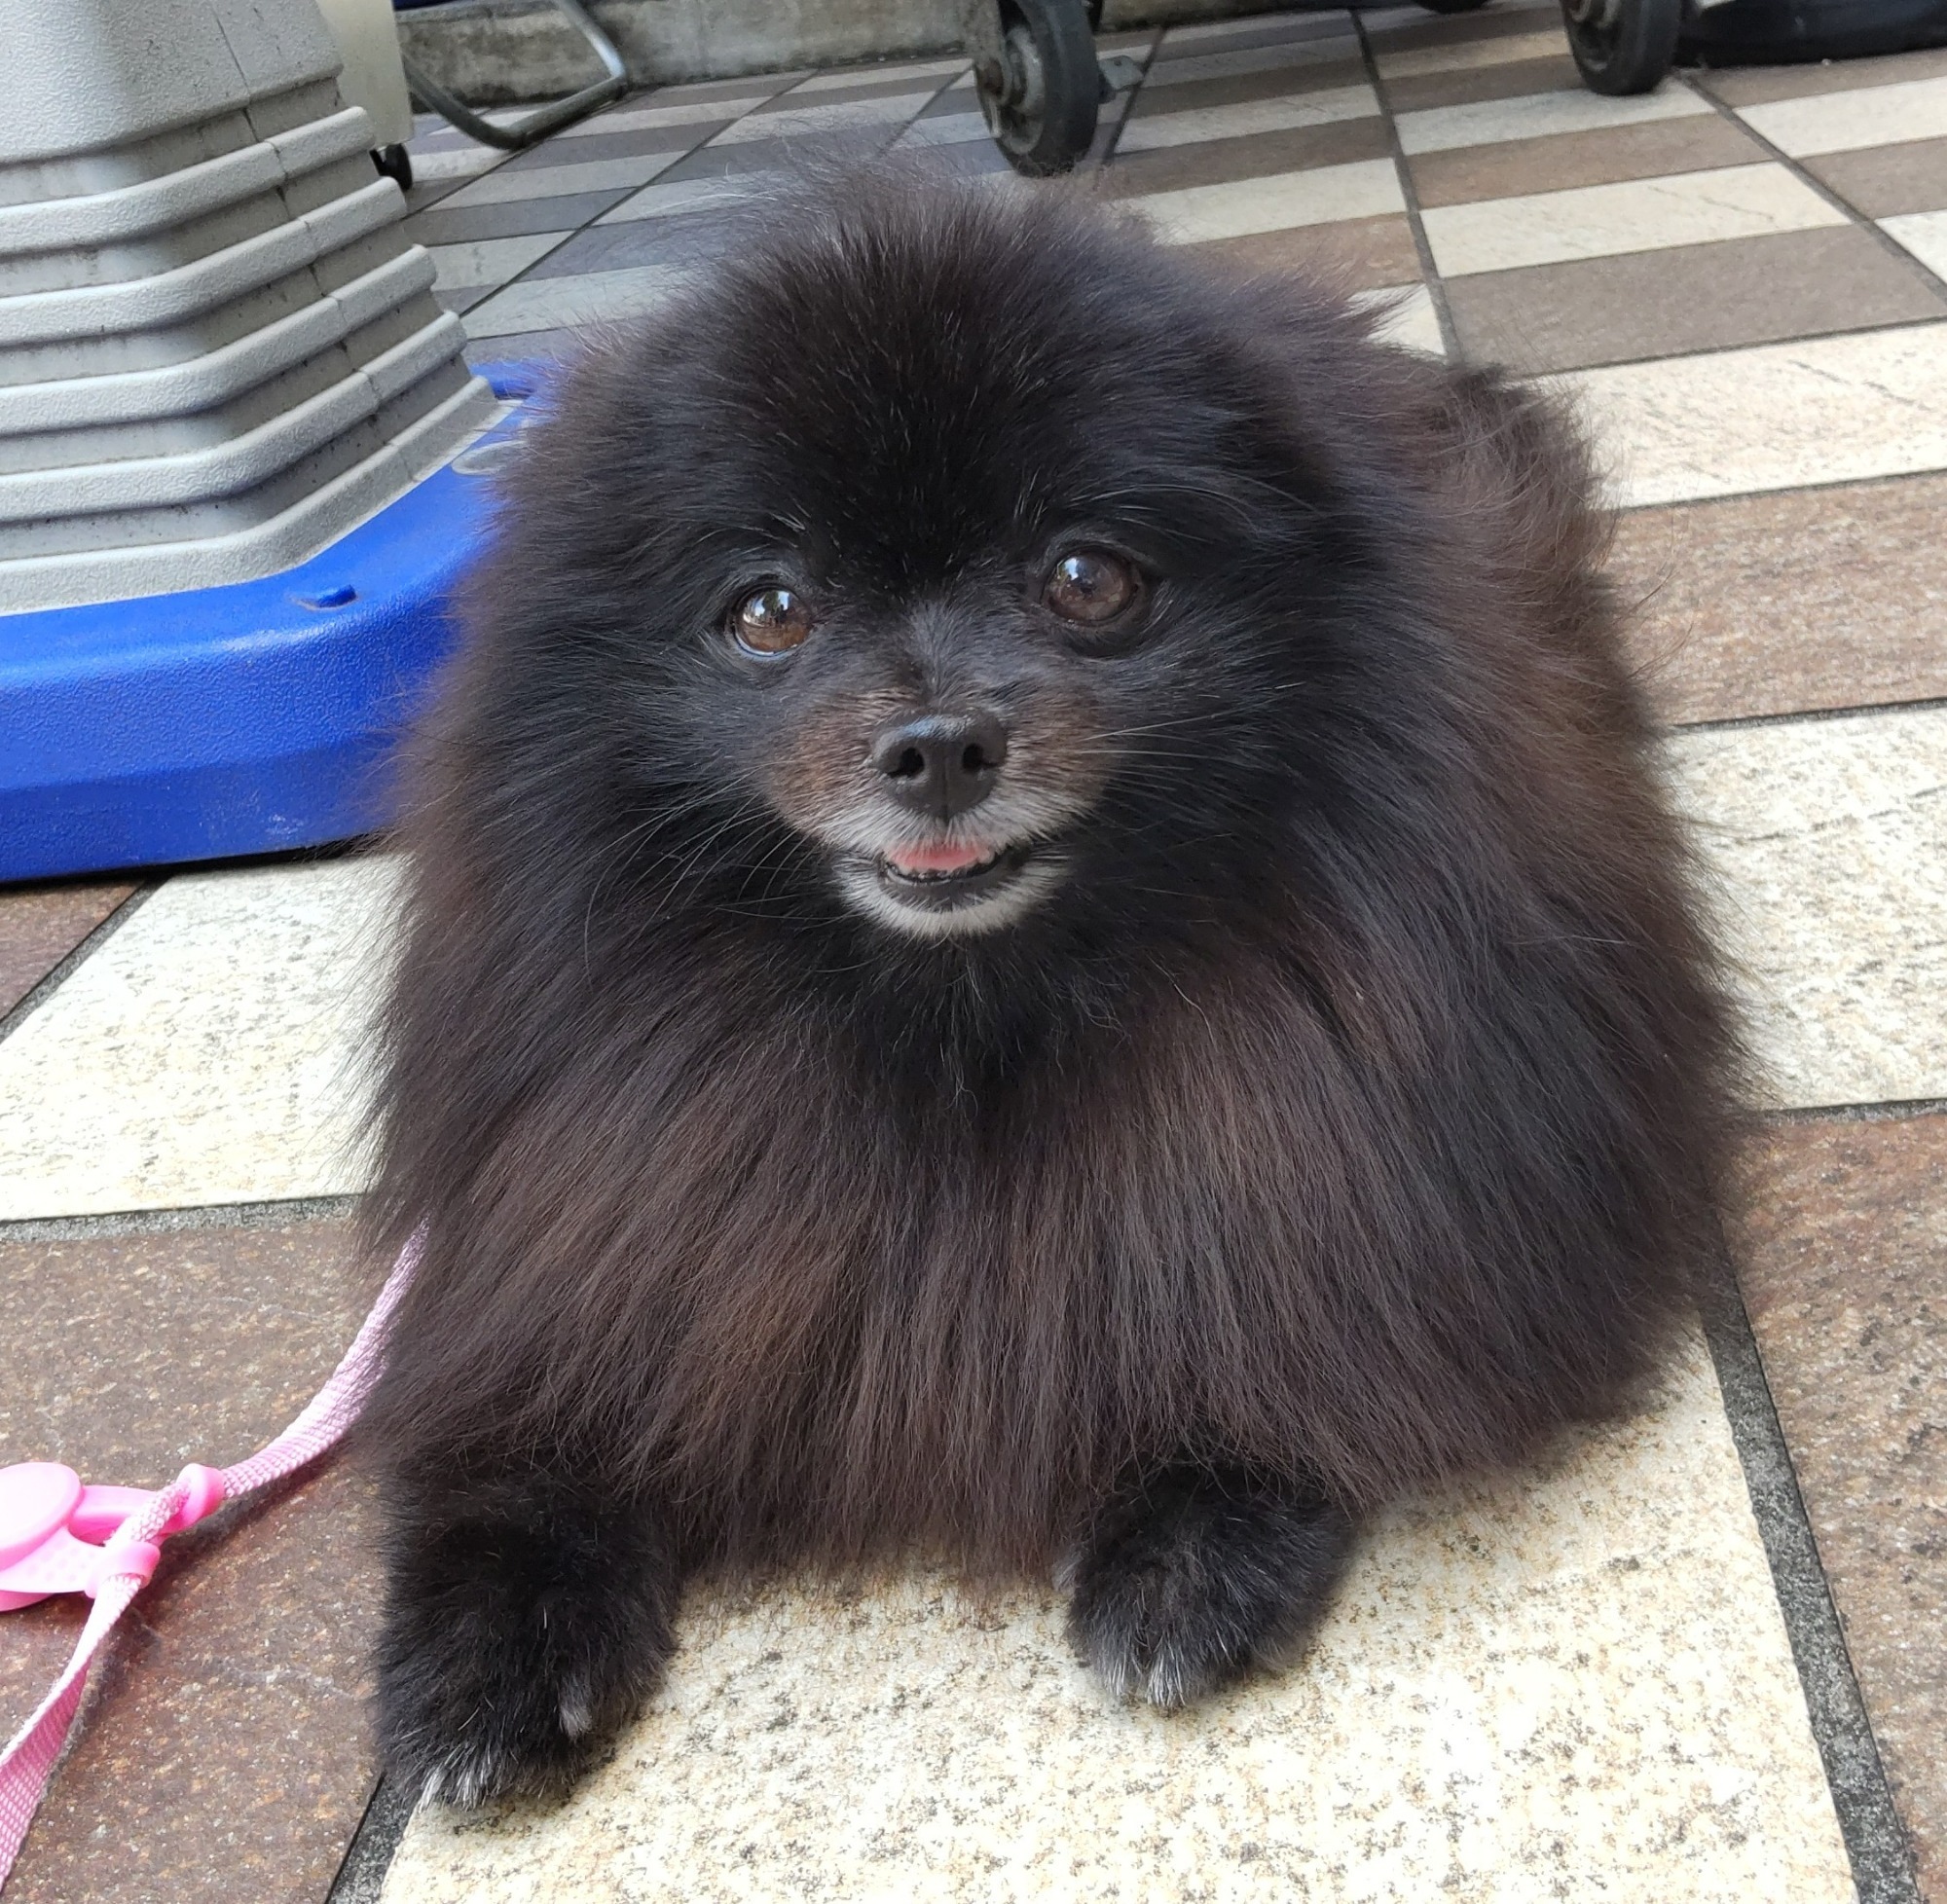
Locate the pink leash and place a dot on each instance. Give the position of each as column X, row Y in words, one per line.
column 59, row 1537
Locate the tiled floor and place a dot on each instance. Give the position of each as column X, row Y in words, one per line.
column 1704, row 1655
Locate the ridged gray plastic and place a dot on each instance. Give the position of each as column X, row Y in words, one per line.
column 218, row 351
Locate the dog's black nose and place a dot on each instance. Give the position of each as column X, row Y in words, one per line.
column 942, row 764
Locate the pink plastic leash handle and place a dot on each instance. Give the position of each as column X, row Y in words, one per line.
column 49, row 1542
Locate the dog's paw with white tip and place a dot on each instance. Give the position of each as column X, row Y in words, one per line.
column 1190, row 1577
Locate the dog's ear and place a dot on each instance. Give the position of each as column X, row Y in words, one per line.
column 1521, row 451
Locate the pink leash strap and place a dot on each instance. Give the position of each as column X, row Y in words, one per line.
column 131, row 1552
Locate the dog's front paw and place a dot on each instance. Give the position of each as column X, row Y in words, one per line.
column 1192, row 1576
column 466, row 1722
column 509, row 1660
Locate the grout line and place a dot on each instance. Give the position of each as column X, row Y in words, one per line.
column 1888, row 1111
column 269, row 1212
column 361, row 1877
column 38, row 994
column 1436, row 285
column 1887, row 243
column 1804, row 716
column 1876, row 1841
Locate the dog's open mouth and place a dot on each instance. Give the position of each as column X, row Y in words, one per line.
column 939, row 879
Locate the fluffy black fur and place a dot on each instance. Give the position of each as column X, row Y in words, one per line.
column 1325, row 1106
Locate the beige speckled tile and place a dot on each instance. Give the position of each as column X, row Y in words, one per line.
column 208, row 1053
column 1572, row 1683
column 553, row 181
column 1829, row 838
column 547, row 304
column 1409, row 321
column 1773, row 416
column 1856, row 118
column 1195, row 124
column 1465, row 55
column 1643, row 214
column 791, row 120
column 1924, row 233
column 1540, row 115
column 1367, row 188
column 490, row 261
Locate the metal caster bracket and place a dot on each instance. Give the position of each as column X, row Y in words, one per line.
column 543, row 120
column 1036, row 79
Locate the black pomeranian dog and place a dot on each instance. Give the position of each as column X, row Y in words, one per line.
column 1040, row 933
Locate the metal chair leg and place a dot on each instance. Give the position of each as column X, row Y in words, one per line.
column 543, row 120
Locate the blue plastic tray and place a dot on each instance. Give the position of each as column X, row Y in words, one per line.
column 248, row 719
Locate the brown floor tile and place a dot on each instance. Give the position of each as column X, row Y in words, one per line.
column 1281, row 82
column 1885, row 180
column 1257, row 155
column 1515, row 80
column 1277, row 31
column 1780, row 603
column 586, row 147
column 225, row 1754
column 41, row 925
column 1511, row 167
column 1843, row 1257
column 1693, row 297
column 1357, row 253
column 1752, row 86
column 1462, row 30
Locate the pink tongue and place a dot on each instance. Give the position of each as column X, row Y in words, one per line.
column 937, row 859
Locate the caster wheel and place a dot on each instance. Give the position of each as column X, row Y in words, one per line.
column 1037, row 81
column 1622, row 46
column 1451, row 6
column 395, row 162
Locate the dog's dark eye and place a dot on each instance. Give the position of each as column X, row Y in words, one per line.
column 1090, row 586
column 771, row 621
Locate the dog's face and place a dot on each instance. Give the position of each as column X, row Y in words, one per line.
column 991, row 587
column 942, row 744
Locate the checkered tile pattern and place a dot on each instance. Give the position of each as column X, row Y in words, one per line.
column 1454, row 168
column 1739, row 278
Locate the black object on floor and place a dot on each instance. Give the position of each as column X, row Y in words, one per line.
column 1760, row 32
